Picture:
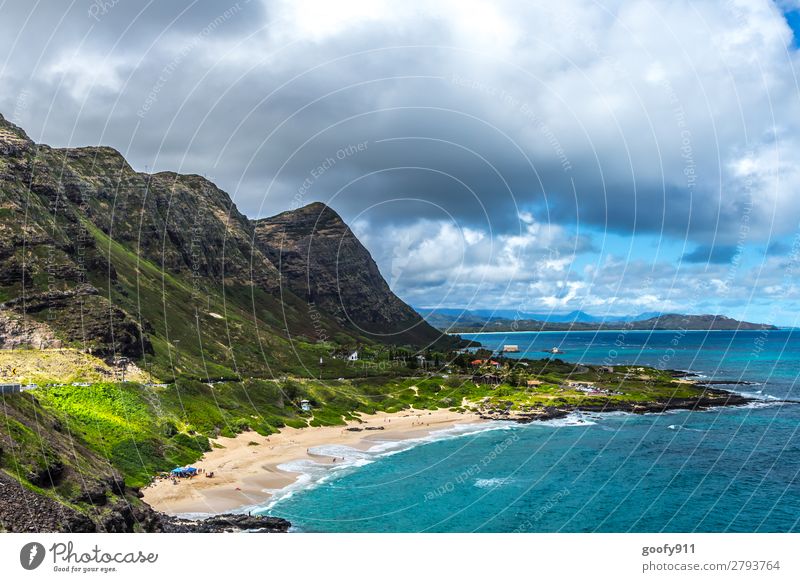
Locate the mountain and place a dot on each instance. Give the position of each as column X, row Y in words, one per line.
column 470, row 322
column 442, row 317
column 321, row 261
column 701, row 322
column 163, row 269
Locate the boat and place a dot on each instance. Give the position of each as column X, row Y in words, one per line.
column 553, row 350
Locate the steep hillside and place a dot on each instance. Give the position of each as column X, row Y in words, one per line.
column 52, row 480
column 163, row 269
column 321, row 261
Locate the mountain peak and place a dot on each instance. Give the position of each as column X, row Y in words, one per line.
column 13, row 139
column 315, row 216
column 321, row 261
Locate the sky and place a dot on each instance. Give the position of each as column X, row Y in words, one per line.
column 615, row 157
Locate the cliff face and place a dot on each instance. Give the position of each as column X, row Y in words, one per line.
column 321, row 261
column 183, row 223
column 47, row 255
column 96, row 255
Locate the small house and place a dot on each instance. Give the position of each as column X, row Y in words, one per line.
column 511, row 348
column 353, row 357
column 482, row 362
column 305, row 406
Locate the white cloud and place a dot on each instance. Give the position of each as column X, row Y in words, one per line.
column 82, row 73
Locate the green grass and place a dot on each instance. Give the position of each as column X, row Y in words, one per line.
column 144, row 430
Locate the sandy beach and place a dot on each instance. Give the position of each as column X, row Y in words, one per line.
column 246, row 469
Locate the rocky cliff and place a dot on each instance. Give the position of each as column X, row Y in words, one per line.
column 164, row 269
column 321, row 261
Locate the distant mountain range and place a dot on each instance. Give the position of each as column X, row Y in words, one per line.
column 485, row 320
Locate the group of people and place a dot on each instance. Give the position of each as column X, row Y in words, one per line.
column 188, row 473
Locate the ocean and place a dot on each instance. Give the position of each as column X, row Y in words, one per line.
column 721, row 470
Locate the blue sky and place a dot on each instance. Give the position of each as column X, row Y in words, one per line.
column 793, row 19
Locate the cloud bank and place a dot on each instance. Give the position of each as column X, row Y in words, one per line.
column 612, row 156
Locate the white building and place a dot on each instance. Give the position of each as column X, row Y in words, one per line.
column 353, row 357
column 305, row 406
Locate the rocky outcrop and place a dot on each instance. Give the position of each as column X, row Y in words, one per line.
column 322, row 261
column 227, row 523
column 17, row 331
column 79, row 315
column 710, row 398
column 22, row 510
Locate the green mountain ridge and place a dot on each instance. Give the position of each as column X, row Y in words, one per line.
column 163, row 269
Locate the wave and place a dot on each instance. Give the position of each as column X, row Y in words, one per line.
column 312, row 474
column 386, row 448
column 766, row 403
column 757, row 395
column 572, row 419
column 491, row 483
column 682, row 427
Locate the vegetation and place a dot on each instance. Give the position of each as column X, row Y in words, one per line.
column 145, row 429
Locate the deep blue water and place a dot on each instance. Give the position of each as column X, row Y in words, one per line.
column 727, row 469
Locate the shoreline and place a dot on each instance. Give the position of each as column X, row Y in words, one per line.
column 250, row 469
column 610, row 330
column 712, row 398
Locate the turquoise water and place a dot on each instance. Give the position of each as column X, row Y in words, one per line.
column 728, row 469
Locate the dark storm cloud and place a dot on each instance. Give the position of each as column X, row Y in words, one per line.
column 710, row 254
column 229, row 90
column 624, row 118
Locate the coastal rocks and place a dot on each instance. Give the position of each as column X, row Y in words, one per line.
column 22, row 510
column 709, row 399
column 525, row 417
column 47, row 476
column 98, row 492
column 228, row 523
column 710, row 383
